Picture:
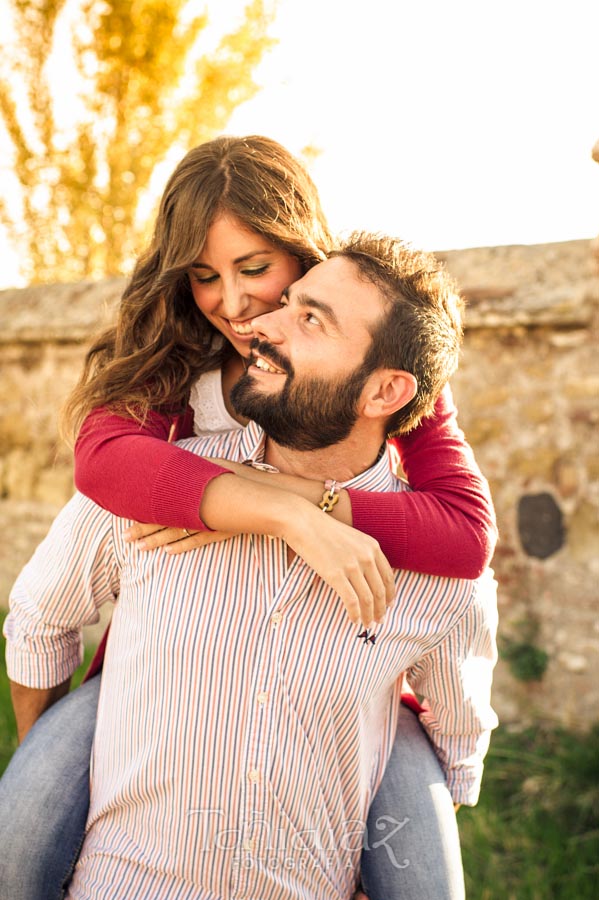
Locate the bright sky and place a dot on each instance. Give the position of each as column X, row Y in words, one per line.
column 452, row 123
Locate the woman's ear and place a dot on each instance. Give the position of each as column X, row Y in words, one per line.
column 386, row 391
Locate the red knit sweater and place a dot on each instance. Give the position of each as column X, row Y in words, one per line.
column 445, row 527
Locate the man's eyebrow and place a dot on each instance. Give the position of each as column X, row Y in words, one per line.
column 239, row 259
column 307, row 302
column 324, row 308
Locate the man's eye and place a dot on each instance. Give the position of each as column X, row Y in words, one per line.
column 312, row 319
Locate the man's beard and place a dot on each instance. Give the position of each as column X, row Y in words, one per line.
column 307, row 414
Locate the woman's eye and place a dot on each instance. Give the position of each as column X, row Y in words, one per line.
column 204, row 279
column 260, row 270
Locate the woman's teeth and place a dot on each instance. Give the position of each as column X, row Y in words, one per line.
column 241, row 327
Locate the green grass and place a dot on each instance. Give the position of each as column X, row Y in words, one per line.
column 8, row 730
column 535, row 832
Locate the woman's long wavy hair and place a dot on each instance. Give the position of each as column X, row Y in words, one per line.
column 161, row 343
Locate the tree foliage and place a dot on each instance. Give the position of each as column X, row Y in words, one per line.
column 146, row 86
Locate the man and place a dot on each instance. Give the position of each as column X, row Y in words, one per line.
column 244, row 723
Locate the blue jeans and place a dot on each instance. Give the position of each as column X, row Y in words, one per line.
column 44, row 799
column 411, row 845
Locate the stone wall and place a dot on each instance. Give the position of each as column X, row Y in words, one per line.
column 528, row 392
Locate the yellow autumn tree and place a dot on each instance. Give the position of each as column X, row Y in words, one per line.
column 144, row 87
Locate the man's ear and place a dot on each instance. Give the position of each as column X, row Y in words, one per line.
column 386, row 391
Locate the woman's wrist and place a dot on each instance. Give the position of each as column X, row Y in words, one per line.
column 265, row 502
column 308, row 488
column 243, row 504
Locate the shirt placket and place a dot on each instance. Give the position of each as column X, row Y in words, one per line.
column 259, row 835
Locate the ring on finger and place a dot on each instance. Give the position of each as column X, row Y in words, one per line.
column 187, row 532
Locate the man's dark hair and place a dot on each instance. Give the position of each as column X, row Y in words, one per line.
column 421, row 329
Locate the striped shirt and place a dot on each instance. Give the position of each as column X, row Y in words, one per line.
column 242, row 727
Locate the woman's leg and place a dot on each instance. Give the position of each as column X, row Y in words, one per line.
column 44, row 799
column 412, row 847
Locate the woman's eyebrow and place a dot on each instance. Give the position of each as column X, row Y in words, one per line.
column 237, row 260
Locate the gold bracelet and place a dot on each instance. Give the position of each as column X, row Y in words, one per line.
column 330, row 497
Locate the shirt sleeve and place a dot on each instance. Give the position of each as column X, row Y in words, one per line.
column 446, row 526
column 455, row 683
column 71, row 574
column 133, row 471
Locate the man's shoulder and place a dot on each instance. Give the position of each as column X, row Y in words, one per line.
column 231, row 445
column 81, row 525
column 79, row 508
column 444, row 598
column 434, row 606
column 81, row 529
column 484, row 594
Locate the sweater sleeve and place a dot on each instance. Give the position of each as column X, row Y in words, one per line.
column 134, row 472
column 446, row 525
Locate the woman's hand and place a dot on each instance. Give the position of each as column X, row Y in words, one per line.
column 350, row 562
column 174, row 540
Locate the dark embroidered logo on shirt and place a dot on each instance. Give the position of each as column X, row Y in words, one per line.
column 369, row 638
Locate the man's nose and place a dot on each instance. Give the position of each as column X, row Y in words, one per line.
column 270, row 325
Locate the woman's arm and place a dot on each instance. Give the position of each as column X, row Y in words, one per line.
column 350, row 562
column 133, row 471
column 447, row 525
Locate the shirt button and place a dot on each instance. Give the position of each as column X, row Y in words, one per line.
column 249, row 845
column 275, row 619
column 254, row 775
column 262, row 698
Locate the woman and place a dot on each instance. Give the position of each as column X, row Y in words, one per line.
column 239, row 220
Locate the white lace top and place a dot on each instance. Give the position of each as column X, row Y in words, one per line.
column 210, row 414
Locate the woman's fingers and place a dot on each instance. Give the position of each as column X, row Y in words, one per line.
column 371, row 578
column 140, row 530
column 174, row 540
column 352, row 563
column 196, row 539
column 369, row 590
column 163, row 538
column 388, row 577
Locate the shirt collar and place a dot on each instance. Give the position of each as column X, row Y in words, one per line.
column 378, row 477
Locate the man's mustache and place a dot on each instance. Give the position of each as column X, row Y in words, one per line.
column 270, row 353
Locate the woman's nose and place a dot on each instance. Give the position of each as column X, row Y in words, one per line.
column 233, row 300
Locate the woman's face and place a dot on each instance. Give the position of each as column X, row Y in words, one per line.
column 238, row 276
